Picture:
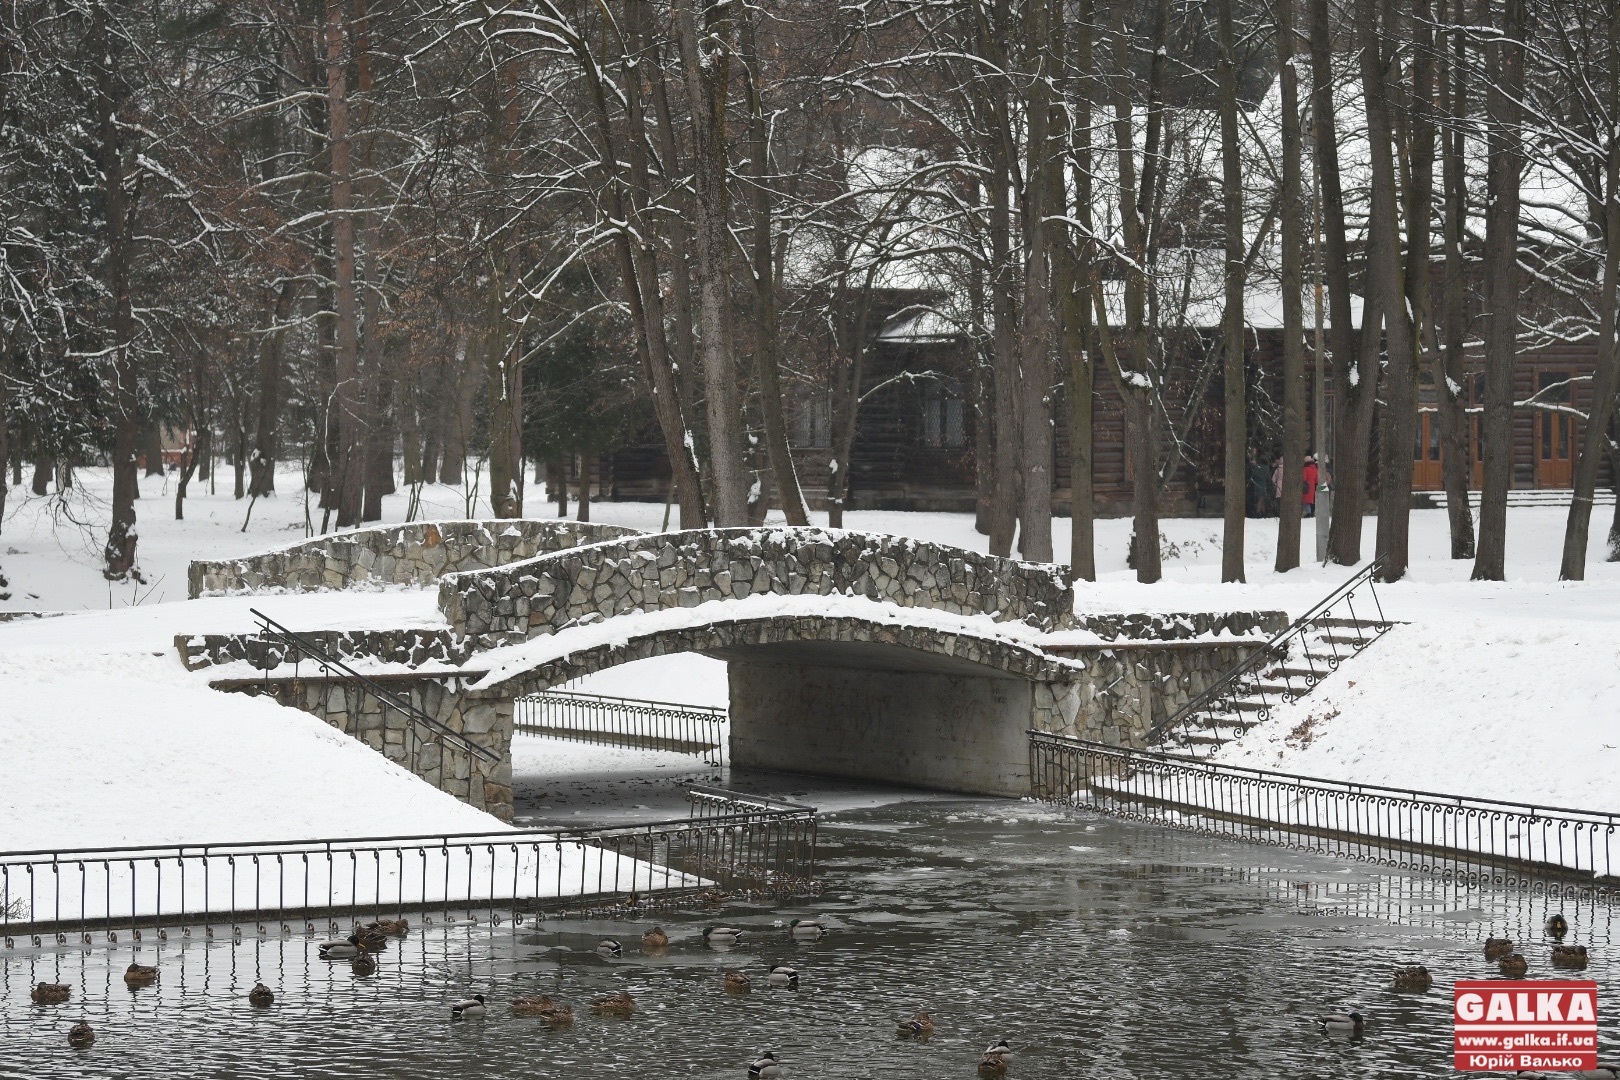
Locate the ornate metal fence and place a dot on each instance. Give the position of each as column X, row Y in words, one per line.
column 1471, row 840
column 629, row 722
column 731, row 844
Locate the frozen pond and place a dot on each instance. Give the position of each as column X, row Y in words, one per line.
column 1098, row 948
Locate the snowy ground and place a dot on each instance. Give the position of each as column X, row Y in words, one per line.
column 1510, row 690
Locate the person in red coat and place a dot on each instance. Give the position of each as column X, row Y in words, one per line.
column 1311, row 476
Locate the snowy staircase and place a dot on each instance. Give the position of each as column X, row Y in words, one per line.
column 1287, row 667
column 1525, row 497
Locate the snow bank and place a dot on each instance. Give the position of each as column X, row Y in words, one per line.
column 104, row 749
column 1499, row 704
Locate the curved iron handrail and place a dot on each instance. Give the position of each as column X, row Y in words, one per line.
column 308, row 647
column 1227, row 680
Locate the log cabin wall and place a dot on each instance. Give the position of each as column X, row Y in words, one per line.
column 914, row 447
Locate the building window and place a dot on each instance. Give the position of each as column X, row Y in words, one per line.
column 812, row 422
column 943, row 420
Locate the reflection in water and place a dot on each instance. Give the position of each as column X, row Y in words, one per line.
column 1097, row 948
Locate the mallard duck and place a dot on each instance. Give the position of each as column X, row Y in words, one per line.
column 363, row 965
column 608, row 948
column 1497, row 947
column 1557, row 927
column 532, row 1005
column 619, row 1004
column 391, row 927
column 807, row 930
column 782, row 975
column 261, row 996
column 468, row 1008
column 371, row 940
column 1342, row 1023
column 1569, row 956
column 993, row 1062
column 51, row 993
column 1513, row 965
column 764, row 1067
column 81, row 1034
column 921, row 1025
column 738, row 983
column 655, row 939
column 346, row 949
column 140, row 975
column 722, row 936
column 562, row 1014
column 1413, row 977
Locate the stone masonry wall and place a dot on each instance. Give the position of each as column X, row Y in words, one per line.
column 485, row 722
column 414, row 554
column 1179, row 626
column 1123, row 691
column 685, row 569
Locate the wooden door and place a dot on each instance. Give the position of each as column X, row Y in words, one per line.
column 1427, row 474
column 1555, row 431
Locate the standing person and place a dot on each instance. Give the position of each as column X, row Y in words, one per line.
column 1277, row 484
column 1257, row 485
column 1310, row 479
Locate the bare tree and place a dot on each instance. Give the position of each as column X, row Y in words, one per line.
column 1291, row 283
column 1236, row 412
column 1504, row 61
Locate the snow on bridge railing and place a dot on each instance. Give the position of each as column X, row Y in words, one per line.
column 1473, row 841
column 731, row 844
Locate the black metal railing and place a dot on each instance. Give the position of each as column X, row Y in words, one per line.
column 628, row 722
column 730, row 844
column 1477, row 841
column 301, row 645
column 1285, row 667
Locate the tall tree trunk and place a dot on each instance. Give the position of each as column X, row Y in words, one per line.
column 504, row 387
column 188, row 466
column 1386, row 272
column 1004, row 342
column 1236, row 415
column 318, row 477
column 239, row 454
column 1607, row 372
column 410, row 426
column 1355, row 367
column 152, row 447
column 1504, row 90
column 461, row 387
column 1035, row 326
column 677, row 195
column 1614, row 483
column 638, row 267
column 706, row 85
column 44, row 465
column 435, row 416
column 1291, row 209
column 587, row 464
column 1130, row 365
column 767, row 344
column 1449, row 361
column 379, row 448
column 347, row 396
column 1077, row 311
column 121, row 536
column 984, row 405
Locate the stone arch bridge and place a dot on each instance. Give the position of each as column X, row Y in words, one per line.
column 849, row 654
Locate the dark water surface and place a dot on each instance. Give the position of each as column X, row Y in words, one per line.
column 1098, row 948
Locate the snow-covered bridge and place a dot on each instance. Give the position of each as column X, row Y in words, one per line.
column 851, row 654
